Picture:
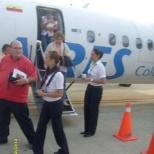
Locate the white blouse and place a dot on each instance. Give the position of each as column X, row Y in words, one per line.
column 56, row 83
column 96, row 72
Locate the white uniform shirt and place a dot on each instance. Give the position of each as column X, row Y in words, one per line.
column 56, row 83
column 96, row 72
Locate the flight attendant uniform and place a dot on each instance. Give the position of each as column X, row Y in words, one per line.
column 52, row 109
column 93, row 97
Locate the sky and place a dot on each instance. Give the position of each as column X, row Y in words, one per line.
column 140, row 10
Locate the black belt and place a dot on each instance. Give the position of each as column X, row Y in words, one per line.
column 91, row 86
column 53, row 101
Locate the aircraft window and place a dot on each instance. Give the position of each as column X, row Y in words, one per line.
column 91, row 36
column 150, row 45
column 112, row 39
column 138, row 43
column 125, row 41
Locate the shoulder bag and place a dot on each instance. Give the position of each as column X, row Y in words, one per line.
column 67, row 60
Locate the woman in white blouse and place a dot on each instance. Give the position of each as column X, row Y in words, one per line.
column 95, row 77
column 51, row 90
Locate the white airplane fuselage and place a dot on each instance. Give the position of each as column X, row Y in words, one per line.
column 128, row 46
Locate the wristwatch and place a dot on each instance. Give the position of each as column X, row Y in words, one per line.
column 91, row 80
column 26, row 81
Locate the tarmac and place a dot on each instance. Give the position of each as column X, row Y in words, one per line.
column 112, row 109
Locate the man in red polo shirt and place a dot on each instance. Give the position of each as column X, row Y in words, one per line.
column 14, row 95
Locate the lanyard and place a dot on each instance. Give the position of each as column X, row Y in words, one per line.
column 89, row 73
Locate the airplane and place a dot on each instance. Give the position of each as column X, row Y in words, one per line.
column 128, row 46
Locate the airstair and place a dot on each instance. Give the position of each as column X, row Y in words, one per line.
column 39, row 63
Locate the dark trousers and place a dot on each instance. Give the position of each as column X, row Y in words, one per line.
column 92, row 100
column 45, row 41
column 64, row 92
column 53, row 111
column 21, row 113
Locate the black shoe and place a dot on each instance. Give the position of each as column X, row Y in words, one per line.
column 3, row 141
column 56, row 153
column 88, row 135
column 83, row 133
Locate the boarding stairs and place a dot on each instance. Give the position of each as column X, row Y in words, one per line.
column 39, row 63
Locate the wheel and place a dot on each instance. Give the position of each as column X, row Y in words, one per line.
column 125, row 85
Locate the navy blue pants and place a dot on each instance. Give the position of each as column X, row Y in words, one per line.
column 21, row 113
column 92, row 100
column 45, row 41
column 64, row 92
column 53, row 111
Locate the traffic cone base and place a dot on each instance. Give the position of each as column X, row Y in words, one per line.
column 143, row 152
column 151, row 147
column 124, row 139
column 125, row 131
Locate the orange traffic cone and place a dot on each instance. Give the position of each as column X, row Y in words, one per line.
column 151, row 147
column 125, row 131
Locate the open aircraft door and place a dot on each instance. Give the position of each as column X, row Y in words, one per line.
column 39, row 61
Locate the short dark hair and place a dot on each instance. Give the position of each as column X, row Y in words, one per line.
column 5, row 46
column 98, row 53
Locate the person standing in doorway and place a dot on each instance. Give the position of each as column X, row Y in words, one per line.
column 48, row 27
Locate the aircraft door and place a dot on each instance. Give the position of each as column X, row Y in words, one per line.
column 56, row 15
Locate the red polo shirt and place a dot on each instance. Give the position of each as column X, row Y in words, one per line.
column 15, row 93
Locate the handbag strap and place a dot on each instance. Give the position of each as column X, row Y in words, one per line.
column 51, row 78
column 64, row 47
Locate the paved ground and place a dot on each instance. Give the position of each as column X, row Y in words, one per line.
column 108, row 124
column 113, row 94
column 103, row 142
